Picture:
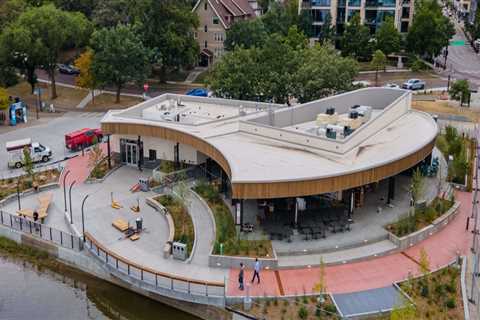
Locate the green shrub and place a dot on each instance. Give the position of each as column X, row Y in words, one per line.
column 451, row 304
column 430, row 215
column 303, row 313
column 424, row 291
column 330, row 308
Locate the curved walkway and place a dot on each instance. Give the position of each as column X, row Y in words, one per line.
column 442, row 248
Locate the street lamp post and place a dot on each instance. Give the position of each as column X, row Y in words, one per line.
column 18, row 193
column 64, row 189
column 70, row 199
column 83, row 217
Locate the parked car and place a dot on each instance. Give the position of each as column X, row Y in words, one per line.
column 68, row 69
column 83, row 138
column 198, row 92
column 361, row 83
column 391, row 85
column 414, row 84
column 16, row 153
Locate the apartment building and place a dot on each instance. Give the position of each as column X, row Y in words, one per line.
column 372, row 12
column 215, row 18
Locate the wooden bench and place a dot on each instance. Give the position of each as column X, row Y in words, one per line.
column 42, row 209
column 120, row 224
column 135, row 237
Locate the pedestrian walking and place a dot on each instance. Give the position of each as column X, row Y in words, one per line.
column 256, row 271
column 35, row 219
column 240, row 276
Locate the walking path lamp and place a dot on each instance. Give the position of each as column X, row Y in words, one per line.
column 70, row 199
column 18, row 193
column 83, row 217
column 64, row 189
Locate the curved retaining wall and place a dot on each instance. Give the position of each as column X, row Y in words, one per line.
column 437, row 225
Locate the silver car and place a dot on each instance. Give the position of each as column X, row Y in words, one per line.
column 414, row 84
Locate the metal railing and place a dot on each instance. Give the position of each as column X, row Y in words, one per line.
column 164, row 284
column 41, row 231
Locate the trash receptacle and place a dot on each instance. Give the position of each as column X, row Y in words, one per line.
column 139, row 222
column 179, row 251
column 144, row 185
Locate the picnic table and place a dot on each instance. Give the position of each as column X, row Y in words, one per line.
column 120, row 224
column 42, row 208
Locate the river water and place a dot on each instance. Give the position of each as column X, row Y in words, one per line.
column 27, row 292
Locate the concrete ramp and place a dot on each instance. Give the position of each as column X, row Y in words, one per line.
column 363, row 303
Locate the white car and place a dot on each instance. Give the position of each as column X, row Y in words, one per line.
column 392, row 86
column 414, row 84
column 361, row 83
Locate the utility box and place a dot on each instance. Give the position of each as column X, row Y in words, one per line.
column 179, row 251
column 144, row 184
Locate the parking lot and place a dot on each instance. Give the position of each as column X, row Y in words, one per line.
column 49, row 134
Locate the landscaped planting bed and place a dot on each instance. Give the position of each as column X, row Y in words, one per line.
column 421, row 218
column 184, row 230
column 225, row 226
column 437, row 295
column 9, row 186
column 302, row 308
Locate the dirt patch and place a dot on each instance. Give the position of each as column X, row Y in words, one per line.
column 105, row 102
column 444, row 107
column 9, row 186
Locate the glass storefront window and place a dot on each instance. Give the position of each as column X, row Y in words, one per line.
column 351, row 13
column 321, row 3
column 320, row 15
column 354, row 3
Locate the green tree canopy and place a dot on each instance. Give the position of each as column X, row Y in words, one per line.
column 388, row 38
column 460, row 91
column 45, row 31
column 83, row 6
column 10, row 10
column 4, row 103
column 327, row 30
column 119, row 57
column 430, row 30
column 323, row 72
column 356, row 40
column 167, row 27
column 247, row 34
column 379, row 62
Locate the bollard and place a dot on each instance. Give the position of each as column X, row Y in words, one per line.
column 247, row 300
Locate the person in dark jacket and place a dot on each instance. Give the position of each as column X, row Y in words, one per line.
column 241, row 276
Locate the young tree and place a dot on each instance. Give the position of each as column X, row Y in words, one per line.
column 388, row 38
column 379, row 62
column 119, row 57
column 86, row 79
column 321, row 285
column 327, row 31
column 460, row 91
column 246, row 34
column 417, row 185
column 94, row 158
column 430, row 30
column 356, row 40
column 424, row 262
column 50, row 31
column 322, row 72
column 28, row 164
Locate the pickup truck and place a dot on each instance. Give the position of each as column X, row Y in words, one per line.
column 15, row 149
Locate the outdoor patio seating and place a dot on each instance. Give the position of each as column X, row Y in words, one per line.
column 120, row 224
column 42, row 209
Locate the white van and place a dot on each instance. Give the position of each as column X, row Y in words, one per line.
column 15, row 149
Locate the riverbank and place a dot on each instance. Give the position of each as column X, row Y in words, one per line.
column 33, row 275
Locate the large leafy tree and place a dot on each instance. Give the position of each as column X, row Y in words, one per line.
column 474, row 28
column 281, row 16
column 430, row 30
column 247, row 34
column 388, row 38
column 460, row 91
column 86, row 79
column 379, row 62
column 236, row 75
column 84, row 6
column 323, row 73
column 19, row 48
column 356, row 40
column 167, row 27
column 45, row 31
column 10, row 10
column 119, row 57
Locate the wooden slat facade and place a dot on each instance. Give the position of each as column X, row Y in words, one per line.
column 274, row 189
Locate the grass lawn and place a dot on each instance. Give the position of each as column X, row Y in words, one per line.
column 184, row 231
column 225, row 226
column 201, row 77
column 68, row 98
column 105, row 102
column 420, row 219
column 301, row 308
column 436, row 296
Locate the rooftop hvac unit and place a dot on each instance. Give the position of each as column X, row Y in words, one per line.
column 324, row 119
column 353, row 114
column 330, row 111
column 363, row 111
column 336, row 131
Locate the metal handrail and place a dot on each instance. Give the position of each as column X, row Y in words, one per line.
column 129, row 263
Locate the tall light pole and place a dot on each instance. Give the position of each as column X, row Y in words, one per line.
column 83, row 217
column 18, row 193
column 475, row 228
column 70, row 199
column 64, row 189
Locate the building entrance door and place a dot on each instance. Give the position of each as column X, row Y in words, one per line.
column 129, row 152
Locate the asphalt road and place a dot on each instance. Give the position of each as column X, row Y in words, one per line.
column 462, row 61
column 49, row 134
